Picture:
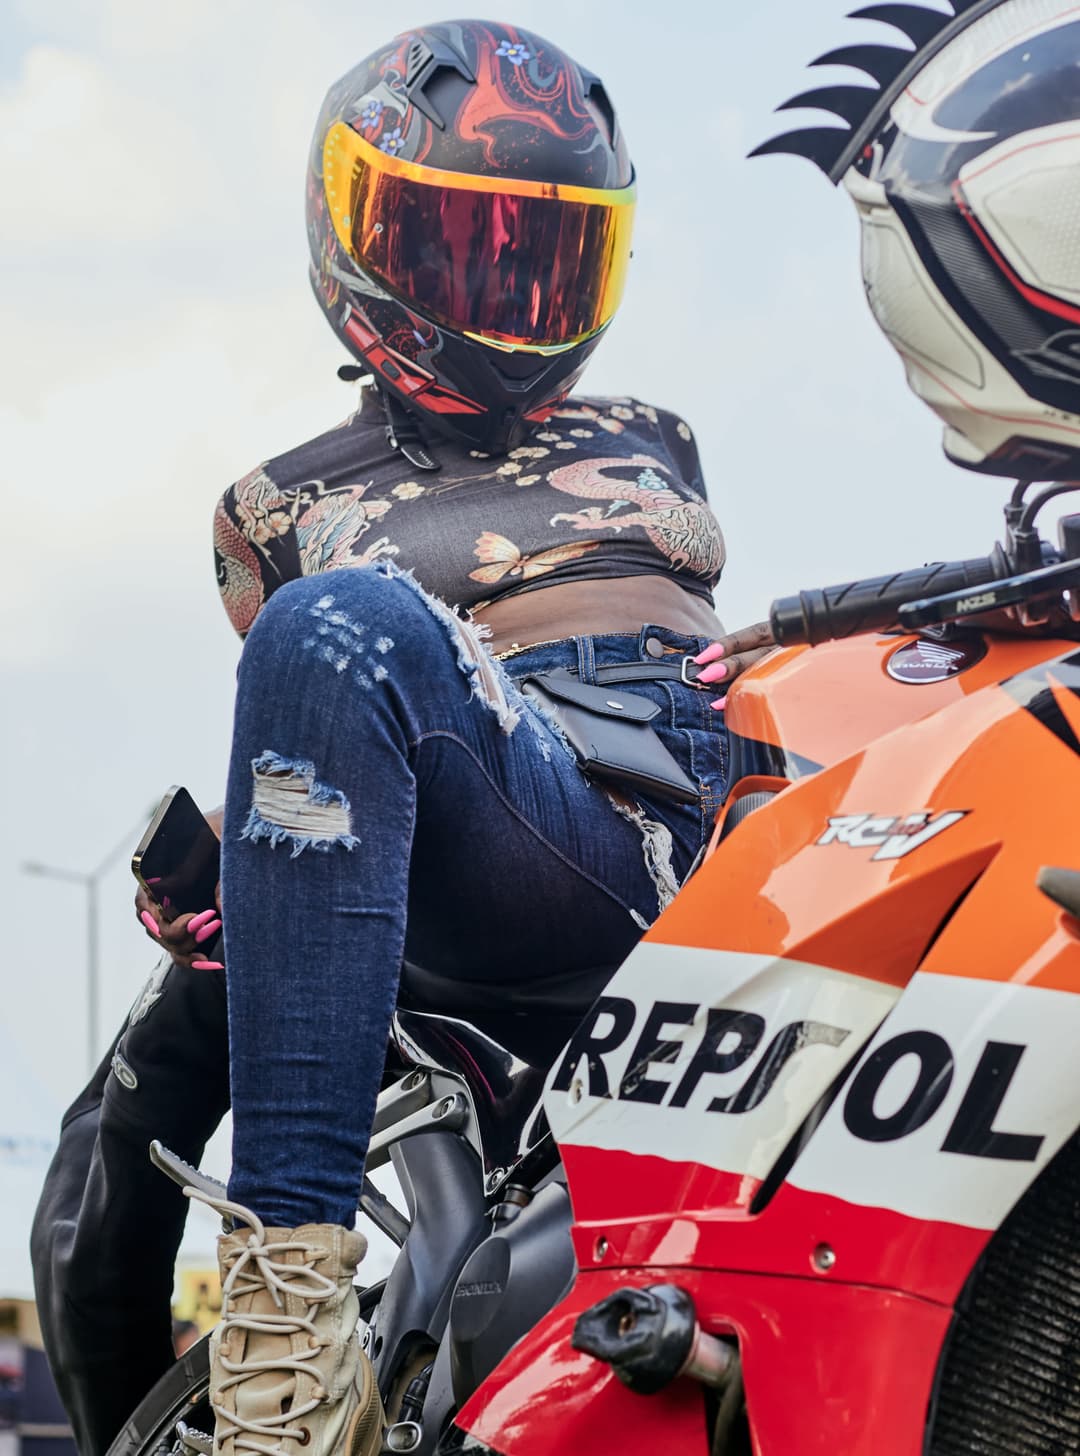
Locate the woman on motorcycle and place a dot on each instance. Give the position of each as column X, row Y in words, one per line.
column 393, row 793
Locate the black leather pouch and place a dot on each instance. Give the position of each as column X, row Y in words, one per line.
column 611, row 734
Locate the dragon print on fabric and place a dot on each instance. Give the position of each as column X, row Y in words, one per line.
column 683, row 530
column 263, row 510
column 603, row 488
column 328, row 530
column 239, row 577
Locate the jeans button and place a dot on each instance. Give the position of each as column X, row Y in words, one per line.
column 654, row 647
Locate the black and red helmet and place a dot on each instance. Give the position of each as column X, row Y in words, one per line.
column 469, row 207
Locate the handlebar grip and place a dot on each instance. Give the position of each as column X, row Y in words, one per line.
column 872, row 604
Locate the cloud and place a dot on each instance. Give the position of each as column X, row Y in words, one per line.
column 86, row 161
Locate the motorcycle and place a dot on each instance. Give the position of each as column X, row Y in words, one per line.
column 802, row 1174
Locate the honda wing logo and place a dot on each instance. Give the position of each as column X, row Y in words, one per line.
column 891, row 836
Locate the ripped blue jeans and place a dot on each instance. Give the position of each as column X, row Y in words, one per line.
column 392, row 794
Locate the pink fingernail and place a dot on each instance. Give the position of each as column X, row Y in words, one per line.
column 207, row 931
column 150, row 923
column 154, row 880
column 719, row 703
column 165, row 901
column 207, row 966
column 198, row 921
column 713, row 674
column 710, row 653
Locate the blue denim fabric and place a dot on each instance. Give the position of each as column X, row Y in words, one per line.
column 413, row 825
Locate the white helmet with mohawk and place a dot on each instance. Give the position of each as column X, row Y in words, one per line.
column 964, row 164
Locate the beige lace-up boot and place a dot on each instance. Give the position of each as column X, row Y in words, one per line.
column 287, row 1375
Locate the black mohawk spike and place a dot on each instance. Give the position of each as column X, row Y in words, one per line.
column 850, row 103
column 915, row 21
column 883, row 63
column 819, row 144
column 834, row 148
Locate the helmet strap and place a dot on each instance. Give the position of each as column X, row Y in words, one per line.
column 403, row 434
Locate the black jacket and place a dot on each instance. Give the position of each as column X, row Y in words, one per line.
column 108, row 1225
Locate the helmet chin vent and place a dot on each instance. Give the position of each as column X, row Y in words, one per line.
column 520, row 366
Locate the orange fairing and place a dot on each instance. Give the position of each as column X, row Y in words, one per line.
column 518, row 263
column 979, row 781
column 825, row 702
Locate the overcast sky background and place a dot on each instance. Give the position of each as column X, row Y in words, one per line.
column 159, row 339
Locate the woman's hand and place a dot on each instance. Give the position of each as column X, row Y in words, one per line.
column 184, row 936
column 725, row 659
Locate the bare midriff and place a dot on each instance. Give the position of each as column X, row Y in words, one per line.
column 595, row 608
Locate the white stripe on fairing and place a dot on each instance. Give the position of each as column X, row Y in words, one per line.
column 781, row 991
column 912, row 1175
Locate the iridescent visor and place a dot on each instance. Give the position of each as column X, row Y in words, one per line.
column 522, row 264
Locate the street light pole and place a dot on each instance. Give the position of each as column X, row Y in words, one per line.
column 93, row 975
column 91, row 882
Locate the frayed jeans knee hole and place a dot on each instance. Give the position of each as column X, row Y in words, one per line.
column 289, row 803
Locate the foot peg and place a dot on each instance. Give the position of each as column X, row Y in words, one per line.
column 192, row 1442
column 183, row 1174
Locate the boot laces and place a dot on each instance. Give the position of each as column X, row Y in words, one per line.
column 256, row 1267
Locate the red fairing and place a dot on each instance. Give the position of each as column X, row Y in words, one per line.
column 828, row 1370
column 713, row 1227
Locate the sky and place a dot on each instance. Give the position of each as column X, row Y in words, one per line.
column 159, row 339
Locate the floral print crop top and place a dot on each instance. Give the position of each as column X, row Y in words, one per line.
column 605, row 488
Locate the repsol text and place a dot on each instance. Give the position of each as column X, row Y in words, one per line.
column 730, row 1038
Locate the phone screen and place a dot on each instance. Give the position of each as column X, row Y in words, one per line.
column 179, row 857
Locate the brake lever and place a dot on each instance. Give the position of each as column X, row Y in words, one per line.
column 992, row 596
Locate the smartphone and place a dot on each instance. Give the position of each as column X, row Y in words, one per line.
column 178, row 859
